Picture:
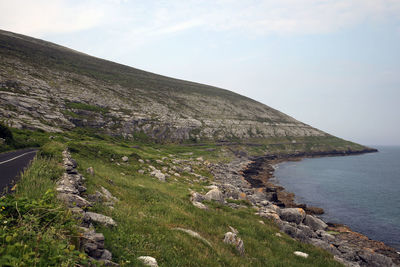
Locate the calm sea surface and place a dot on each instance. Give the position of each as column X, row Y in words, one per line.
column 361, row 191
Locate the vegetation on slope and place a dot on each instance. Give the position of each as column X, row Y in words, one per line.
column 43, row 232
column 149, row 210
column 35, row 229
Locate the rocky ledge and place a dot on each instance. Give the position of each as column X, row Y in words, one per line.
column 247, row 180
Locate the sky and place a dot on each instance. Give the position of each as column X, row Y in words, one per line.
column 334, row 65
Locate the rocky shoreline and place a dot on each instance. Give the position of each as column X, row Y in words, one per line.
column 354, row 248
column 248, row 179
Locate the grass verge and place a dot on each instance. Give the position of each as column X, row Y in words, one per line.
column 35, row 229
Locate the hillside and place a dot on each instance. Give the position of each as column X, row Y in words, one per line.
column 50, row 87
column 134, row 164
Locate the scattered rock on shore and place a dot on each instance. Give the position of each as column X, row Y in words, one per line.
column 296, row 215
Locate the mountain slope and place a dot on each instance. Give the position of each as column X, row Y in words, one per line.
column 50, row 87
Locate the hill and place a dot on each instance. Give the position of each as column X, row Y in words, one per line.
column 50, row 87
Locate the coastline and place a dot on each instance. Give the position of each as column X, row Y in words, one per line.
column 259, row 173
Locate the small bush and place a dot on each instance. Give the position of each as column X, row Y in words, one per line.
column 6, row 134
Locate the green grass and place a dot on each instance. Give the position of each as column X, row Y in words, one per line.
column 37, row 230
column 148, row 211
column 43, row 173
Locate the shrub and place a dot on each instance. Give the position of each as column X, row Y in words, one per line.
column 6, row 134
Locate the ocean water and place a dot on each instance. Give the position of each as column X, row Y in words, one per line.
column 360, row 191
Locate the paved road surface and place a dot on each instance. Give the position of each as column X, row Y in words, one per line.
column 12, row 164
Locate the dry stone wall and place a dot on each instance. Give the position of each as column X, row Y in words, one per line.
column 70, row 189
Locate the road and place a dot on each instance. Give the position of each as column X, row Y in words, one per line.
column 12, row 164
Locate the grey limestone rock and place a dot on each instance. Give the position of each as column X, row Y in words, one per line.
column 149, row 261
column 73, row 200
column 315, row 223
column 215, row 195
column 374, row 259
column 158, row 174
column 295, row 215
column 100, row 218
column 107, row 195
column 232, row 239
column 301, row 254
column 196, row 197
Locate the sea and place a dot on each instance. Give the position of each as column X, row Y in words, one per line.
column 360, row 191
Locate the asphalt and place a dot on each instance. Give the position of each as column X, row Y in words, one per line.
column 12, row 164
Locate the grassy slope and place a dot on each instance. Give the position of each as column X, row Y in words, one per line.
column 148, row 210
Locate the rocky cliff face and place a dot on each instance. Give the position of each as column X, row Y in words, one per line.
column 49, row 87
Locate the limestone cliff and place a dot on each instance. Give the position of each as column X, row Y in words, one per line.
column 50, row 87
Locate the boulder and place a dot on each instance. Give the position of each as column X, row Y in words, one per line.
column 125, row 159
column 296, row 215
column 232, row 239
column 324, row 245
column 158, row 174
column 100, row 218
column 301, row 254
column 196, row 197
column 345, row 262
column 315, row 223
column 107, row 195
column 269, row 212
column 215, row 195
column 64, row 186
column 375, row 259
column 73, row 200
column 141, row 161
column 269, row 215
column 149, row 261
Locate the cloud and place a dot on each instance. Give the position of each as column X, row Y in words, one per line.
column 160, row 17
column 41, row 17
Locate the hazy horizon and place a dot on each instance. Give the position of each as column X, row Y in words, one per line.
column 334, row 65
